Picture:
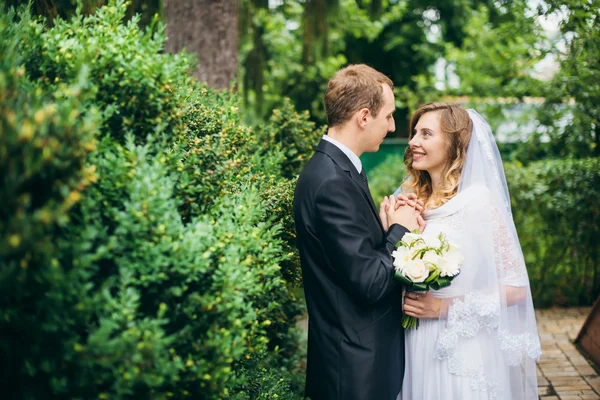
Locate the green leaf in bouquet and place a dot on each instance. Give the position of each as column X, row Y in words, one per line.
column 403, row 279
column 441, row 283
column 409, row 284
column 433, row 276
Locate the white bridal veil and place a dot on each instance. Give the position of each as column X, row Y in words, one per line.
column 489, row 333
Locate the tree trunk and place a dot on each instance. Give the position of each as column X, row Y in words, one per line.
column 208, row 28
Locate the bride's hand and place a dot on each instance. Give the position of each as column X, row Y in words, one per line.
column 422, row 305
column 411, row 200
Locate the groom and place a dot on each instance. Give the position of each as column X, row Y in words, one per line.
column 355, row 336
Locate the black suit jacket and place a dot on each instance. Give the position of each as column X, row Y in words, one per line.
column 355, row 336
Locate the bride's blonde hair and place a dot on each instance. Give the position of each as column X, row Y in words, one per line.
column 457, row 126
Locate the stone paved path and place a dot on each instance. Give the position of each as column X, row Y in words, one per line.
column 563, row 373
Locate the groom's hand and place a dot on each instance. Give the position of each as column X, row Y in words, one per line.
column 422, row 223
column 383, row 209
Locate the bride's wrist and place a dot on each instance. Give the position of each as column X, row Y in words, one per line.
column 442, row 308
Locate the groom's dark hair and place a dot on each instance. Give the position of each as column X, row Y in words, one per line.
column 352, row 88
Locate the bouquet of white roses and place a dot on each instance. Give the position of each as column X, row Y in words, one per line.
column 425, row 262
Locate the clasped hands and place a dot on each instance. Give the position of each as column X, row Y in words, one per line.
column 407, row 211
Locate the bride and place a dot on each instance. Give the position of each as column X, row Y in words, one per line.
column 477, row 338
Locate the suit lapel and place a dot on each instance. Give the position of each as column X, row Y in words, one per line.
column 359, row 181
column 344, row 162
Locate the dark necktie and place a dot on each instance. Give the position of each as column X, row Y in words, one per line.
column 364, row 176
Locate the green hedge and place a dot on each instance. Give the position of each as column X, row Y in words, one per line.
column 557, row 214
column 386, row 177
column 146, row 237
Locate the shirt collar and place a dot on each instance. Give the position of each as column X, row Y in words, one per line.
column 353, row 157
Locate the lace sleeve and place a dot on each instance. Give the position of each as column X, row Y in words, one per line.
column 507, row 251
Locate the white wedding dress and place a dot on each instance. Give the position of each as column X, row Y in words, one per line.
column 487, row 344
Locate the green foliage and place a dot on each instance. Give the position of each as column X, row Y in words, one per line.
column 557, row 213
column 292, row 50
column 491, row 68
column 386, row 177
column 570, row 115
column 497, row 68
column 293, row 134
column 66, row 8
column 492, row 60
column 44, row 140
column 146, row 233
column 271, row 53
column 218, row 149
column 205, row 282
column 136, row 84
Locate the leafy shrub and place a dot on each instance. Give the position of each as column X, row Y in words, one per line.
column 44, row 140
column 205, row 282
column 294, row 134
column 136, row 84
column 386, row 177
column 557, row 213
column 151, row 236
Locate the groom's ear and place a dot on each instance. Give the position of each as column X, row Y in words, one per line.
column 362, row 116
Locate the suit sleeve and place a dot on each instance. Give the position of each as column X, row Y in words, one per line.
column 363, row 266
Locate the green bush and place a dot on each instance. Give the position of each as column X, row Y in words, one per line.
column 136, row 85
column 44, row 140
column 294, row 134
column 203, row 284
column 217, row 150
column 146, row 233
column 386, row 177
column 557, row 213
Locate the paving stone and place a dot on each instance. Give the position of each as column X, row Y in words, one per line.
column 586, row 370
column 574, row 387
column 563, row 372
column 594, row 382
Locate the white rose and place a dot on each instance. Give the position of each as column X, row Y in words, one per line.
column 415, row 271
column 430, row 259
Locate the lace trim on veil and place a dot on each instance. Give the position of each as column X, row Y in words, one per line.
column 467, row 318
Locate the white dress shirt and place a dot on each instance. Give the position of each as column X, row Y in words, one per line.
column 353, row 157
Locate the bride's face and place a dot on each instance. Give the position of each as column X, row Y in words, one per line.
column 428, row 144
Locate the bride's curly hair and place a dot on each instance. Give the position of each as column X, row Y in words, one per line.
column 456, row 124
